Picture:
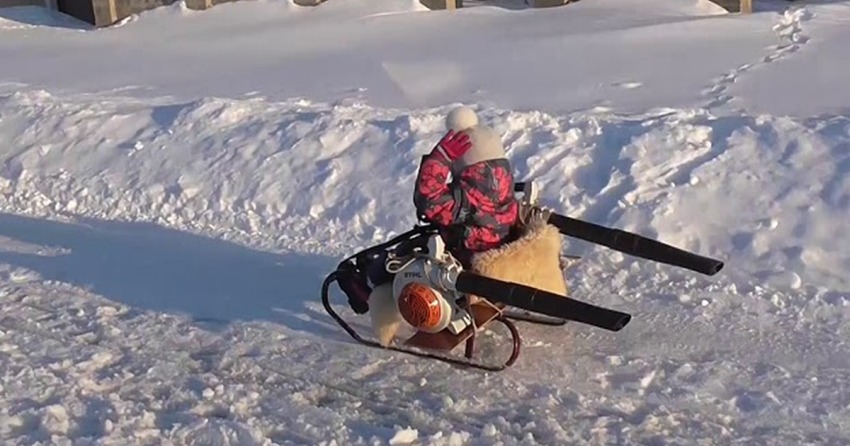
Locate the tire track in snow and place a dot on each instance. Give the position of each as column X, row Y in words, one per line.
column 792, row 38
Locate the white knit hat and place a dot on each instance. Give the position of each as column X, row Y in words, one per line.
column 461, row 118
column 486, row 143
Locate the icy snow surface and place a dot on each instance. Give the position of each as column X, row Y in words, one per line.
column 169, row 213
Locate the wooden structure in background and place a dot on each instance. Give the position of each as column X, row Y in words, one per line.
column 13, row 3
column 107, row 12
column 736, row 6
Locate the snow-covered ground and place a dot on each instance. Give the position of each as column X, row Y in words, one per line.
column 169, row 213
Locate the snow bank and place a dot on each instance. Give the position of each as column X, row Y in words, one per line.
column 332, row 177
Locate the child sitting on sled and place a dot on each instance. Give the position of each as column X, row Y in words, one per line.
column 480, row 219
column 477, row 211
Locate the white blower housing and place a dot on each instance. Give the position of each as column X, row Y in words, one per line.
column 424, row 290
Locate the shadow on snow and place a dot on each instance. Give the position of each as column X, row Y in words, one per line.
column 153, row 268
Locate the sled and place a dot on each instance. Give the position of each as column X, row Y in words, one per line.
column 448, row 306
column 424, row 344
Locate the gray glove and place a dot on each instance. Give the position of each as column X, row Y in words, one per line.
column 532, row 215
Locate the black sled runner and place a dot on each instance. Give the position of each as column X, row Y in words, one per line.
column 448, row 306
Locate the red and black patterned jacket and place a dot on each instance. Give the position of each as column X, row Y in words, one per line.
column 476, row 211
